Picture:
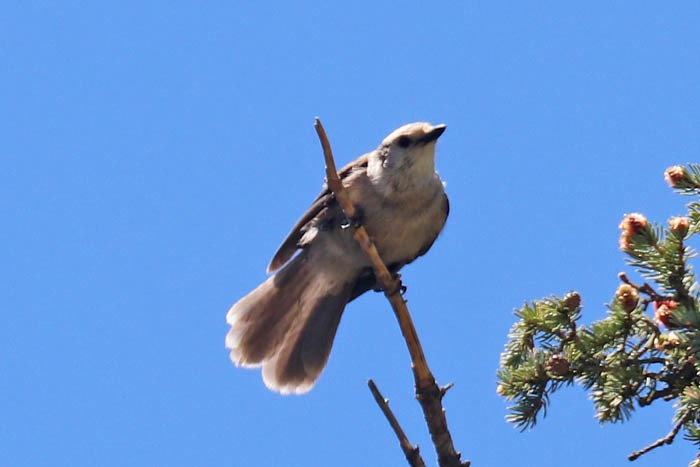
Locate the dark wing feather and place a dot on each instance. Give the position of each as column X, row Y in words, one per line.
column 290, row 244
column 321, row 207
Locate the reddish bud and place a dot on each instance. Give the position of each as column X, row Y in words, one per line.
column 558, row 365
column 634, row 223
column 631, row 225
column 664, row 311
column 679, row 225
column 572, row 300
column 676, row 175
column 627, row 296
column 672, row 304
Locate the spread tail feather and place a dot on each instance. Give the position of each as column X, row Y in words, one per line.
column 287, row 325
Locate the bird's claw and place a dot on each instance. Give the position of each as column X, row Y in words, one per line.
column 354, row 221
column 398, row 285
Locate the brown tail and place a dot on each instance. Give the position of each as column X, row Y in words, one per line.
column 287, row 325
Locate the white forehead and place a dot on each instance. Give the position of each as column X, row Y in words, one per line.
column 411, row 129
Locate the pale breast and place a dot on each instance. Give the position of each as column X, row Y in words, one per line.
column 405, row 230
column 402, row 226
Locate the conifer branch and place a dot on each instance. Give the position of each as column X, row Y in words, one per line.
column 634, row 356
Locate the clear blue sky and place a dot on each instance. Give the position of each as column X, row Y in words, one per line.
column 147, row 153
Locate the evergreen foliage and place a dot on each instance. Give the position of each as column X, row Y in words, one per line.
column 646, row 349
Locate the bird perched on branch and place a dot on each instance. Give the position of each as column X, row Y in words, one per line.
column 288, row 323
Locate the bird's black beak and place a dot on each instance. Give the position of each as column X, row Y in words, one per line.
column 434, row 134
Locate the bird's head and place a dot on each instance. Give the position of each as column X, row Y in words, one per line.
column 407, row 156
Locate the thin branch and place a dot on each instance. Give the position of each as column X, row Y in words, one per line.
column 650, row 361
column 427, row 391
column 412, row 452
column 668, row 439
column 390, row 285
column 655, row 395
column 644, row 288
column 643, row 346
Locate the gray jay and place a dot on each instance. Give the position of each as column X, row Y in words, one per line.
column 288, row 323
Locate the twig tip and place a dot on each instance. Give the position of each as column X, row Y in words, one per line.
column 445, row 388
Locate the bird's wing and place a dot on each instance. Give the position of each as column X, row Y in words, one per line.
column 323, row 208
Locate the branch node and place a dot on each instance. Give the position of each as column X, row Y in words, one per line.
column 444, row 389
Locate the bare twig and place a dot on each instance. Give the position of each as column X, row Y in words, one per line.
column 644, row 288
column 427, row 391
column 412, row 452
column 655, row 395
column 390, row 285
column 668, row 439
column 445, row 388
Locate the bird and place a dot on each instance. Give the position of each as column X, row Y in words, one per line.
column 288, row 323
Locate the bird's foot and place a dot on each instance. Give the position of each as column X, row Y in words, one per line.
column 354, row 221
column 398, row 286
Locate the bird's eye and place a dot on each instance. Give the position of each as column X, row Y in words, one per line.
column 404, row 142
